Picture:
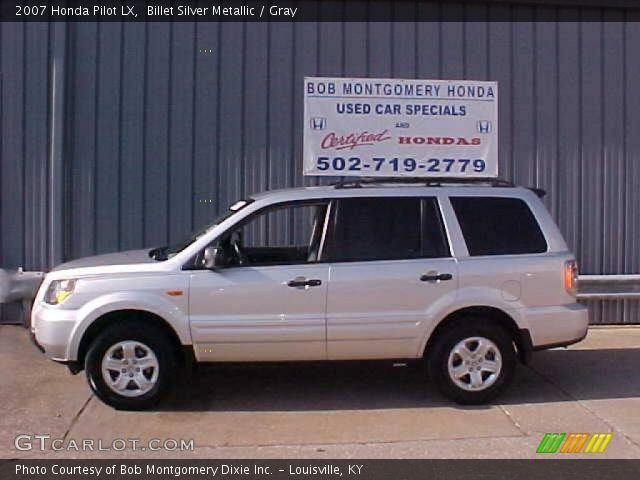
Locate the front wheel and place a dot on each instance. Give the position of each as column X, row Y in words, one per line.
column 472, row 361
column 131, row 367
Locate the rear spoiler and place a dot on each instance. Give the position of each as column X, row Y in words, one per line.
column 540, row 192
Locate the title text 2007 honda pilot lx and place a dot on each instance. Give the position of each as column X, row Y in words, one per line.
column 470, row 278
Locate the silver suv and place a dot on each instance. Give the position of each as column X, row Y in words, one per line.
column 469, row 278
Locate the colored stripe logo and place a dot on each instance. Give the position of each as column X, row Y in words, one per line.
column 574, row 443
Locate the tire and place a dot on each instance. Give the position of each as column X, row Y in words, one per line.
column 455, row 357
column 122, row 357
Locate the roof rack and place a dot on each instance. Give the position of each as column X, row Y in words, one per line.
column 428, row 182
column 432, row 182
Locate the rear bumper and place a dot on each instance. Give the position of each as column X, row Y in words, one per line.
column 557, row 326
column 526, row 349
column 564, row 343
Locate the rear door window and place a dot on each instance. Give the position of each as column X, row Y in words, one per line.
column 386, row 228
column 498, row 226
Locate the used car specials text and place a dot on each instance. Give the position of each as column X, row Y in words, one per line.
column 178, row 470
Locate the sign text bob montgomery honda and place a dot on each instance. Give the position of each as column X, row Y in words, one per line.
column 400, row 128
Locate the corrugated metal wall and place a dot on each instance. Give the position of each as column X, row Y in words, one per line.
column 159, row 134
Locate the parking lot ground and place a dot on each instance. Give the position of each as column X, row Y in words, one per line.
column 357, row 410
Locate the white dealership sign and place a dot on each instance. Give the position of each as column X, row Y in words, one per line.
column 408, row 128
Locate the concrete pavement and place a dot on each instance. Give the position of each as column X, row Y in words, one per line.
column 334, row 411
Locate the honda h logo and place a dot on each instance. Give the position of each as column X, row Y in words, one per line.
column 318, row 123
column 484, row 126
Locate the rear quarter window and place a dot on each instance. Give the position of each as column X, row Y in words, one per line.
column 498, row 226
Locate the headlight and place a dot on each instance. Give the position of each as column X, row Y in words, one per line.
column 59, row 291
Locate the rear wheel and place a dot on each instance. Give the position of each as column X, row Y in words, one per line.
column 131, row 367
column 472, row 361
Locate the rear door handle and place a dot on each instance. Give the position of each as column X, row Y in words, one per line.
column 434, row 277
column 303, row 282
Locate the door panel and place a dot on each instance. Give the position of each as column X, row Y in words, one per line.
column 269, row 304
column 389, row 262
column 251, row 314
column 379, row 309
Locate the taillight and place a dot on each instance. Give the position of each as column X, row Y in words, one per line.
column 571, row 276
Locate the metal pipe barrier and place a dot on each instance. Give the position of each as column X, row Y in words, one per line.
column 609, row 287
column 20, row 286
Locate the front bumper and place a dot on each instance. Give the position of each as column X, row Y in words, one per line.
column 32, row 337
column 52, row 329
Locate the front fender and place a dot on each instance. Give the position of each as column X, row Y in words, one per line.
column 148, row 302
column 466, row 298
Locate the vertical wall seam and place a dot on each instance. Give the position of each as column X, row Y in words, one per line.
column 392, row 50
column 120, row 129
column 512, row 144
column 557, row 161
column 267, row 172
column 487, row 46
column 440, row 36
column 343, row 52
column 556, row 112
column 2, row 126
column 144, row 133
column 535, row 108
column 626, row 304
column 580, row 214
column 605, row 178
column 96, row 137
column 45, row 258
column 416, row 34
column 168, row 137
column 194, row 106
column 367, row 46
column 25, row 202
column 625, row 138
column 243, row 87
column 69, row 147
column 2, row 123
column 218, row 147
column 292, row 175
column 54, row 206
column 465, row 59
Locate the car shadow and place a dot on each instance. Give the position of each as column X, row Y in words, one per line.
column 553, row 376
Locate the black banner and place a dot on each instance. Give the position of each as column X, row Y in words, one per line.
column 320, row 469
column 282, row 11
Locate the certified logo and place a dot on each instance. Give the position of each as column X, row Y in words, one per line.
column 353, row 140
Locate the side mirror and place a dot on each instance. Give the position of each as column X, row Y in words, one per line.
column 214, row 257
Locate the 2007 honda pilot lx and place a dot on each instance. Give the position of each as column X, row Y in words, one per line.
column 470, row 278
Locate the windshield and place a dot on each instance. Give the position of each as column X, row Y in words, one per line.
column 166, row 252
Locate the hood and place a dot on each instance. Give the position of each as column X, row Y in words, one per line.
column 130, row 257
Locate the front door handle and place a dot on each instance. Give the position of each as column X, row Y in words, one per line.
column 434, row 277
column 303, row 282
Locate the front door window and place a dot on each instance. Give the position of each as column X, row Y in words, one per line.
column 281, row 235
